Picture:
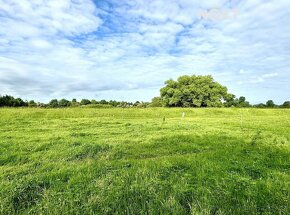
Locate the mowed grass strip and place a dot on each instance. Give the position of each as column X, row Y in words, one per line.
column 144, row 161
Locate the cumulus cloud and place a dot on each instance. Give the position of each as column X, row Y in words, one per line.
column 127, row 49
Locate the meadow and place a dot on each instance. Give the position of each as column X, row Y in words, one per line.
column 144, row 161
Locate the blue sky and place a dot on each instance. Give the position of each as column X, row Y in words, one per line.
column 125, row 50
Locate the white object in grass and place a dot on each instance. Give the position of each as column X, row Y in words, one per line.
column 182, row 115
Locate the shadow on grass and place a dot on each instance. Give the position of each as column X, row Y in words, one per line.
column 203, row 174
column 174, row 145
column 27, row 195
column 88, row 151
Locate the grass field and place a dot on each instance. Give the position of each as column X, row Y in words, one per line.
column 135, row 161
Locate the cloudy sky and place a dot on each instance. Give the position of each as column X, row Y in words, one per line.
column 125, row 50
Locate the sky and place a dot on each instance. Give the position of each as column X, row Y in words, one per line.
column 125, row 50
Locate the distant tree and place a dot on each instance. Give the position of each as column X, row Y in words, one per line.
column 142, row 104
column 32, row 103
column 193, row 91
column 260, row 105
column 42, row 105
column 10, row 101
column 7, row 101
column 286, row 104
column 242, row 99
column 1, row 101
column 94, row 102
column 230, row 100
column 124, row 104
column 114, row 103
column 63, row 103
column 74, row 103
column 85, row 102
column 241, row 102
column 156, row 102
column 270, row 104
column 103, row 102
column 19, row 103
column 136, row 103
column 53, row 103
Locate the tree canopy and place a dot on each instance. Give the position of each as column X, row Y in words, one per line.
column 270, row 103
column 286, row 104
column 194, row 91
column 10, row 101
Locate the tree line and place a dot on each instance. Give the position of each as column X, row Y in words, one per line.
column 10, row 101
column 186, row 91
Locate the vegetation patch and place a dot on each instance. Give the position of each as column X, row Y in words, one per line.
column 27, row 195
column 89, row 151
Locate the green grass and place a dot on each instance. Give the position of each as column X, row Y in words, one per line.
column 131, row 161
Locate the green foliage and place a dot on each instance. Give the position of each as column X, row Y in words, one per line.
column 85, row 102
column 10, row 101
column 260, row 105
column 64, row 103
column 131, row 161
column 74, row 103
column 241, row 102
column 143, row 105
column 242, row 99
column 174, row 94
column 124, row 104
column 286, row 104
column 136, row 103
column 156, row 102
column 32, row 103
column 113, row 103
column 103, row 102
column 270, row 104
column 230, row 100
column 94, row 102
column 193, row 91
column 53, row 103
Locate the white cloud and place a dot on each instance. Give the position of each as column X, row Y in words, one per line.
column 82, row 48
column 34, row 18
column 269, row 75
column 40, row 43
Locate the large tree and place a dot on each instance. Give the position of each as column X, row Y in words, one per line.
column 194, row 91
